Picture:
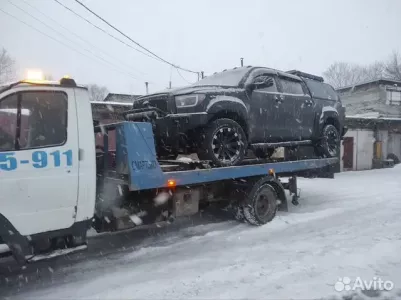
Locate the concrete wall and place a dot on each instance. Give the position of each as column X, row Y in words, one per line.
column 363, row 149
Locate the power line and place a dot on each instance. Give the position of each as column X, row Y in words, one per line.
column 162, row 59
column 76, row 35
column 102, row 30
column 71, row 41
column 52, row 38
column 178, row 72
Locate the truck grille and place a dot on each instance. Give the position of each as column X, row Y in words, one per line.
column 159, row 101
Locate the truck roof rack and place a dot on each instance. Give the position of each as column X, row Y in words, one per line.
column 306, row 75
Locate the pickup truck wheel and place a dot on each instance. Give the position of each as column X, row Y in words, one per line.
column 223, row 142
column 329, row 145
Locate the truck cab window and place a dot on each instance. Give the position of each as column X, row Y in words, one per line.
column 291, row 86
column 8, row 122
column 46, row 124
column 39, row 120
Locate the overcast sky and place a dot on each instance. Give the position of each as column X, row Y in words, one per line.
column 202, row 35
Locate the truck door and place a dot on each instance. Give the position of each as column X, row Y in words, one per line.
column 264, row 111
column 296, row 122
column 39, row 167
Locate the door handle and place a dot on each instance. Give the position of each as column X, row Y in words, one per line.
column 279, row 98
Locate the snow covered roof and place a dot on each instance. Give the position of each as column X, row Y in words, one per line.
column 111, row 103
column 374, row 118
column 378, row 81
column 122, row 98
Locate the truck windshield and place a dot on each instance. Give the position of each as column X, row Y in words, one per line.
column 226, row 78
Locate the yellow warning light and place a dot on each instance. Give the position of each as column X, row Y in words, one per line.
column 271, row 172
column 34, row 75
column 67, row 76
column 171, row 183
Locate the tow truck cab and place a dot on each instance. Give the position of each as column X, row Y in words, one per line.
column 47, row 162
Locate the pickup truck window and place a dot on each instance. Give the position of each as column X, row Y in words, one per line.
column 321, row 90
column 33, row 120
column 291, row 86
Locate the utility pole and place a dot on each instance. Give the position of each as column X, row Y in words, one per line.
column 147, row 87
column 242, row 61
column 202, row 73
column 198, row 76
column 169, row 85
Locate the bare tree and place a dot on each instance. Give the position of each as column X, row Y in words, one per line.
column 393, row 66
column 7, row 67
column 373, row 71
column 97, row 93
column 341, row 74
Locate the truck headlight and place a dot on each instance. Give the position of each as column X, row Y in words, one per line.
column 188, row 100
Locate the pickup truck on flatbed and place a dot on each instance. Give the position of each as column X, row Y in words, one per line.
column 222, row 116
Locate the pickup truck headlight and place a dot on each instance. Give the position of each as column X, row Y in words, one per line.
column 188, row 100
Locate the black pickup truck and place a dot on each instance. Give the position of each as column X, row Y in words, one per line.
column 222, row 116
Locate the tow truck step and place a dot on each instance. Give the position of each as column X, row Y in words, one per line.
column 56, row 253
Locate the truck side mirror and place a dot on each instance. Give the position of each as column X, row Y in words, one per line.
column 261, row 82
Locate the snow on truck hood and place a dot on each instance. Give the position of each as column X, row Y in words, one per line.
column 193, row 89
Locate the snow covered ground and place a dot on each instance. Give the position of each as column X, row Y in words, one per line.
column 346, row 227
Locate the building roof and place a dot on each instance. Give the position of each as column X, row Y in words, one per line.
column 372, row 116
column 376, row 81
column 126, row 98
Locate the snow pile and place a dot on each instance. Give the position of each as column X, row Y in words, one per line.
column 346, row 227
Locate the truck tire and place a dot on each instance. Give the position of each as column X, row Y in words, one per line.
column 223, row 142
column 394, row 158
column 329, row 144
column 260, row 206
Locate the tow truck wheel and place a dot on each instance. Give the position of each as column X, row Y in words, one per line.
column 261, row 204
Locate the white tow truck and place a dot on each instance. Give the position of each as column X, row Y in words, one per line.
column 56, row 183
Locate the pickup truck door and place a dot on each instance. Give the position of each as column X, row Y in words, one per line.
column 264, row 111
column 297, row 118
column 39, row 169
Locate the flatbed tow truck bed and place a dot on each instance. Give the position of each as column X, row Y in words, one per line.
column 136, row 157
column 193, row 183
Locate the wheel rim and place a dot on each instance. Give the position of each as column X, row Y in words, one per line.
column 332, row 141
column 227, row 144
column 263, row 206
